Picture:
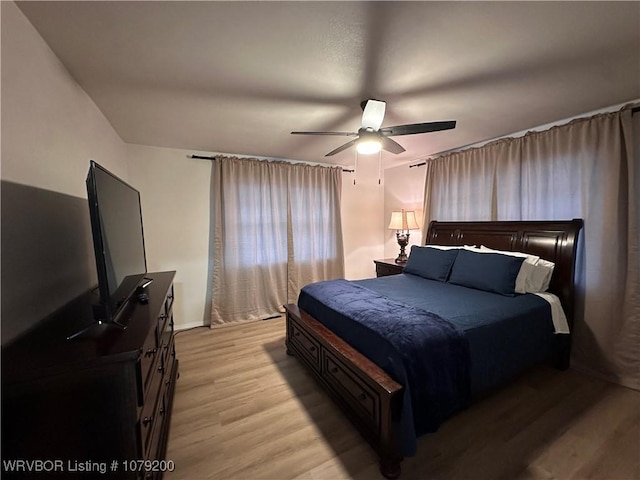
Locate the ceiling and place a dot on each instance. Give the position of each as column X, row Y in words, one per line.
column 238, row 77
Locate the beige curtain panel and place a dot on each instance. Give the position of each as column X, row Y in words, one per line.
column 588, row 168
column 276, row 227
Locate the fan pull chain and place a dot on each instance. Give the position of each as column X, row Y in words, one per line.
column 379, row 166
column 355, row 167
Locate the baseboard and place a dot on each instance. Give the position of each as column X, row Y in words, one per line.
column 632, row 383
column 187, row 326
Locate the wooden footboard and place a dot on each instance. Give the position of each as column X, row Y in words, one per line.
column 368, row 395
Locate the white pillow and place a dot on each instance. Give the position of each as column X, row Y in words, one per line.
column 537, row 271
column 444, row 247
column 452, row 247
column 542, row 276
column 526, row 281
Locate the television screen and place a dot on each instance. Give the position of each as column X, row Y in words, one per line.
column 118, row 239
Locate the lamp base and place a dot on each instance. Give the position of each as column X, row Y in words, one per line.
column 402, row 258
column 403, row 241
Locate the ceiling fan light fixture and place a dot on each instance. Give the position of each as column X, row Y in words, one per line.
column 368, row 147
column 372, row 137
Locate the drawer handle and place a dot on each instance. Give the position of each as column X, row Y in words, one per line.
column 170, row 296
column 147, row 420
column 161, row 368
column 163, row 316
column 151, row 351
column 162, row 412
column 362, row 397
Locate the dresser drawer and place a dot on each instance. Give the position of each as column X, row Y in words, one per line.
column 168, row 303
column 159, row 417
column 167, row 333
column 362, row 398
column 162, row 410
column 160, row 326
column 169, row 376
column 306, row 345
column 149, row 414
column 148, row 356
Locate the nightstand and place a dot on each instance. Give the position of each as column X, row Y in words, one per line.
column 388, row 266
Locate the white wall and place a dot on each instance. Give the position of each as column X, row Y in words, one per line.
column 50, row 130
column 175, row 193
column 403, row 189
column 362, row 217
column 50, row 126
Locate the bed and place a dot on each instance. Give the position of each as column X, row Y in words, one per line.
column 401, row 354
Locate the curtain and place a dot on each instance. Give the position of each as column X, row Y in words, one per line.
column 589, row 169
column 276, row 227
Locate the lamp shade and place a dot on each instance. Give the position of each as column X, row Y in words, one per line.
column 403, row 221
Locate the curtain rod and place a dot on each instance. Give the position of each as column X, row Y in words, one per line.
column 202, row 157
column 634, row 110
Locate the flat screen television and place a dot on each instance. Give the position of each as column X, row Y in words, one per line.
column 118, row 241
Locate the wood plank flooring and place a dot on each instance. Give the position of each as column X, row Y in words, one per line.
column 243, row 409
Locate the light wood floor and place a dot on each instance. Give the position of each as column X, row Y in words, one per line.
column 243, row 409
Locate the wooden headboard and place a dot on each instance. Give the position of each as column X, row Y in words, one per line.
column 556, row 241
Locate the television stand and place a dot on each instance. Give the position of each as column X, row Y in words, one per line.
column 96, row 330
column 144, row 283
column 98, row 326
column 105, row 396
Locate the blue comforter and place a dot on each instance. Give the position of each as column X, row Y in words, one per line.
column 425, row 353
column 506, row 335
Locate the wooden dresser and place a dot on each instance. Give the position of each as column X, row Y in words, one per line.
column 98, row 402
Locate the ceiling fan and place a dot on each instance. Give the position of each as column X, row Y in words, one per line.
column 371, row 138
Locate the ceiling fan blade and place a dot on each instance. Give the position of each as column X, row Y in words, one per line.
column 391, row 145
column 413, row 128
column 373, row 114
column 343, row 147
column 344, row 134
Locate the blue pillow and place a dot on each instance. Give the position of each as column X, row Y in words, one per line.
column 491, row 272
column 431, row 263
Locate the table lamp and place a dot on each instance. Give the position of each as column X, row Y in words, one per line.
column 402, row 222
